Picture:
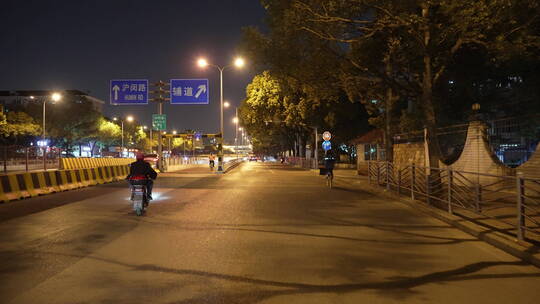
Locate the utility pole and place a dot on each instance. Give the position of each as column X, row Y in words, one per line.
column 236, row 132
column 151, row 140
column 316, row 148
column 160, row 94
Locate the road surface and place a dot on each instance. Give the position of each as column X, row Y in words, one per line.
column 262, row 233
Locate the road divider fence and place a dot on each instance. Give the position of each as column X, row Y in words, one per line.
column 231, row 164
column 17, row 186
column 510, row 202
column 301, row 162
column 88, row 162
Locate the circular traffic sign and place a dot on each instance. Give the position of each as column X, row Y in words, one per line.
column 326, row 145
column 326, row 135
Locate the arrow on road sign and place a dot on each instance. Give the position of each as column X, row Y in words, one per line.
column 202, row 89
column 116, row 89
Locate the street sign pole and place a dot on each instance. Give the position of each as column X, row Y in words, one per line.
column 151, row 140
column 316, row 148
column 160, row 140
column 159, row 97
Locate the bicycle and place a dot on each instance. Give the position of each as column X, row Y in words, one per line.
column 329, row 178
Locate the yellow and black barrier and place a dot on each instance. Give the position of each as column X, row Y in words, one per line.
column 87, row 162
column 22, row 185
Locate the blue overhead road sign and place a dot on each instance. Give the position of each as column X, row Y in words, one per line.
column 129, row 91
column 189, row 91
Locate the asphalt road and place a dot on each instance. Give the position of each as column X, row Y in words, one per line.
column 263, row 233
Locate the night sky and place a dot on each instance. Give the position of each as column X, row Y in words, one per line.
column 83, row 44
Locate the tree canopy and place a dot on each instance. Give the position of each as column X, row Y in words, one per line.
column 390, row 55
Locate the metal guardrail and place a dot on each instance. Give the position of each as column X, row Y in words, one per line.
column 23, row 158
column 302, row 162
column 187, row 160
column 230, row 164
column 513, row 200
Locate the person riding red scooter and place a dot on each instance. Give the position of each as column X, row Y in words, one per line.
column 142, row 170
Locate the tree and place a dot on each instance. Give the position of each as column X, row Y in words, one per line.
column 16, row 127
column 277, row 113
column 73, row 121
column 428, row 33
column 109, row 133
column 309, row 72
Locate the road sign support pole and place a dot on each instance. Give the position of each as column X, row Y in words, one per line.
column 160, row 143
column 159, row 122
column 151, row 140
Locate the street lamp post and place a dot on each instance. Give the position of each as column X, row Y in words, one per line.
column 151, row 139
column 241, row 130
column 129, row 119
column 54, row 97
column 235, row 121
column 150, row 135
column 239, row 62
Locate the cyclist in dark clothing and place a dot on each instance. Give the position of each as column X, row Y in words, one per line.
column 142, row 168
column 329, row 161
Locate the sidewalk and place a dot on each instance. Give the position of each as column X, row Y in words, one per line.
column 491, row 231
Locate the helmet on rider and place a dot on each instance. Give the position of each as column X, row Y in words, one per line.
column 139, row 156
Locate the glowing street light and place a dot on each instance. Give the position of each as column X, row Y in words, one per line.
column 239, row 63
column 226, row 104
column 202, row 62
column 128, row 119
column 55, row 97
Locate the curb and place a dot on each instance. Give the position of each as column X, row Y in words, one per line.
column 524, row 250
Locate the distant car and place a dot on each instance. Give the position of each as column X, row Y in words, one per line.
column 253, row 158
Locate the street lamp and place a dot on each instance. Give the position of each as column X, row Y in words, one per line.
column 150, row 136
column 55, row 97
column 129, row 119
column 239, row 63
column 226, row 104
